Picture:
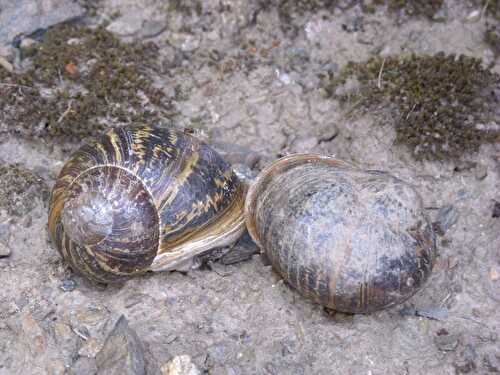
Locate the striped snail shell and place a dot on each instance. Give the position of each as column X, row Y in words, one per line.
column 350, row 239
column 143, row 198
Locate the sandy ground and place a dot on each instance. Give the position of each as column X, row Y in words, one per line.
column 241, row 318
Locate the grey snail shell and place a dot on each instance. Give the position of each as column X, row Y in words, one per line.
column 350, row 239
column 142, row 198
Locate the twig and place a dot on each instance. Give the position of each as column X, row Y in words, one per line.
column 483, row 11
column 16, row 85
column 79, row 334
column 379, row 83
column 411, row 111
column 68, row 110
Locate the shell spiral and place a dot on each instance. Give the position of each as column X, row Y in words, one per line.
column 350, row 239
column 142, row 198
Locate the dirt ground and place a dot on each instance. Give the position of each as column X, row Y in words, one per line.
column 263, row 96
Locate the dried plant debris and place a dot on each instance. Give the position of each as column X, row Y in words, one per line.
column 489, row 7
column 82, row 80
column 442, row 106
column 492, row 38
column 19, row 190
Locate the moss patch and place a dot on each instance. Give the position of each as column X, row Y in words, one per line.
column 442, row 106
column 82, row 81
column 426, row 8
column 19, row 189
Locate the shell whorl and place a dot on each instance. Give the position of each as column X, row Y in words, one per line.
column 137, row 193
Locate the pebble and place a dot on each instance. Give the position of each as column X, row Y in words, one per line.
column 496, row 210
column 328, row 133
column 28, row 46
column 180, row 365
column 481, row 172
column 304, row 144
column 446, row 343
column 185, row 42
column 474, row 16
column 4, row 63
column 68, row 285
column 447, row 216
column 83, row 366
column 122, row 353
column 4, row 251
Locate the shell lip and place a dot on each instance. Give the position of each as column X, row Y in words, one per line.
column 279, row 166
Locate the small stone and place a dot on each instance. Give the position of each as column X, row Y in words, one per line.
column 446, row 343
column 180, row 365
column 447, row 216
column 185, row 42
column 4, row 251
column 494, row 274
column 28, row 46
column 84, row 366
column 4, row 63
column 68, row 285
column 328, row 133
column 474, row 16
column 244, row 249
column 496, row 210
column 304, row 144
column 481, row 172
column 244, row 172
column 122, row 353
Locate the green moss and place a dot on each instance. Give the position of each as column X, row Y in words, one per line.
column 288, row 8
column 19, row 189
column 79, row 77
column 436, row 101
column 427, row 8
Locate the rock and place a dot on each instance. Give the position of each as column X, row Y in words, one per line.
column 304, row 144
column 28, row 46
column 185, row 42
column 244, row 249
column 84, row 366
column 447, row 216
column 68, row 285
column 446, row 343
column 122, row 353
column 33, row 335
column 4, row 63
column 481, row 172
column 4, row 251
column 27, row 16
column 244, row 172
column 474, row 16
column 496, row 210
column 180, row 365
column 328, row 133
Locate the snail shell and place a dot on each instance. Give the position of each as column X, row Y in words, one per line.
column 350, row 239
column 143, row 198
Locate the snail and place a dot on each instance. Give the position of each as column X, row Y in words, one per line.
column 140, row 199
column 350, row 239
